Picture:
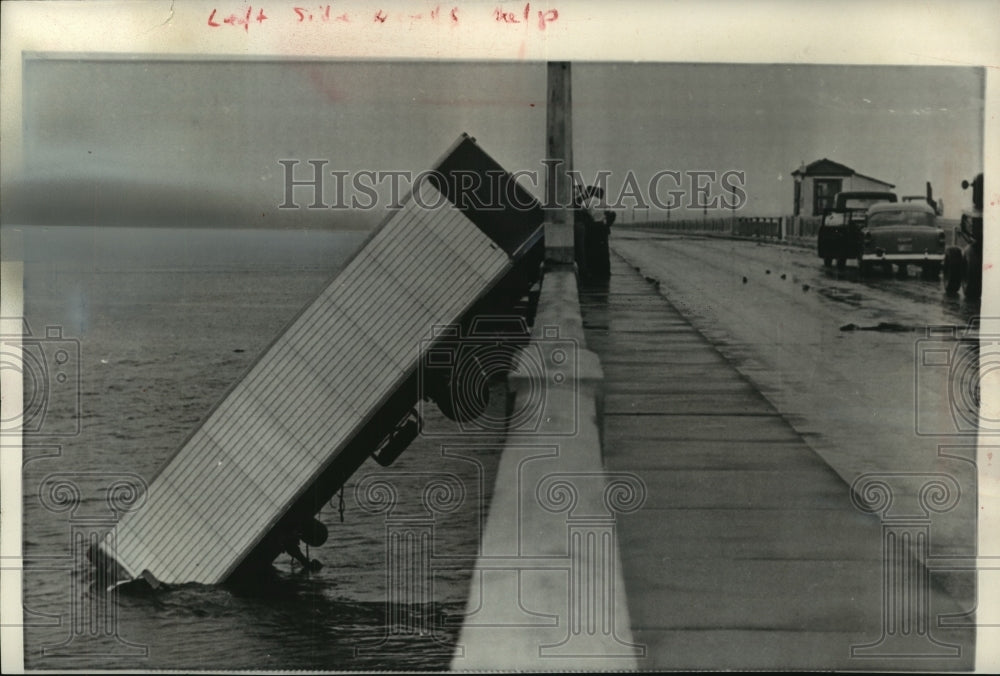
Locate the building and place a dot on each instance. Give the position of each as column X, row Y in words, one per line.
column 818, row 182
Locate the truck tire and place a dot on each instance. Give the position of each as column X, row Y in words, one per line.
column 464, row 394
column 953, row 266
column 972, row 280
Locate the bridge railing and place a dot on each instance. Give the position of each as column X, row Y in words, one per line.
column 794, row 229
column 770, row 227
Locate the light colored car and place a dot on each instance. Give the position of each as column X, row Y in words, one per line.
column 902, row 234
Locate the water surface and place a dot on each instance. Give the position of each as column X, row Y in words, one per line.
column 164, row 321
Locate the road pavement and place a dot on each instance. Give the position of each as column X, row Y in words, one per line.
column 750, row 550
column 848, row 362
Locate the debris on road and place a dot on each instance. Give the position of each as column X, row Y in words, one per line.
column 882, row 326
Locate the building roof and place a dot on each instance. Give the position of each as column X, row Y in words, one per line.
column 827, row 167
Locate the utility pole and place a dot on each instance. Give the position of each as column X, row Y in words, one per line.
column 561, row 243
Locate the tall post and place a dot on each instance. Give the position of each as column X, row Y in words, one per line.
column 559, row 237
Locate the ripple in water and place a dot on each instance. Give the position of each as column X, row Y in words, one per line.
column 158, row 349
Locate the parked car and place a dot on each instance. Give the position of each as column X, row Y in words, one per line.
column 902, row 234
column 963, row 266
column 839, row 235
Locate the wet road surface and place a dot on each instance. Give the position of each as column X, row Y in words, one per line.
column 848, row 362
column 749, row 550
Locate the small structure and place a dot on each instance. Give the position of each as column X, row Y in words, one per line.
column 817, row 183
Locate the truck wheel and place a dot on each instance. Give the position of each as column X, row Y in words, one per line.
column 841, row 263
column 972, row 280
column 953, row 266
column 463, row 403
column 827, row 262
column 464, row 394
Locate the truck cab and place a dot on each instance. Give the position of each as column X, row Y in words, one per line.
column 840, row 234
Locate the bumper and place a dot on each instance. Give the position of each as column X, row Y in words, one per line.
column 904, row 257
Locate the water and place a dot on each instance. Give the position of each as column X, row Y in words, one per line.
column 164, row 321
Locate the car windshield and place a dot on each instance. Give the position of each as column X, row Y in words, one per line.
column 900, row 218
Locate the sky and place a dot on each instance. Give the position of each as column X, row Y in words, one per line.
column 166, row 141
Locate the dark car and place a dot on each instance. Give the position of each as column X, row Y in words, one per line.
column 839, row 236
column 903, row 234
